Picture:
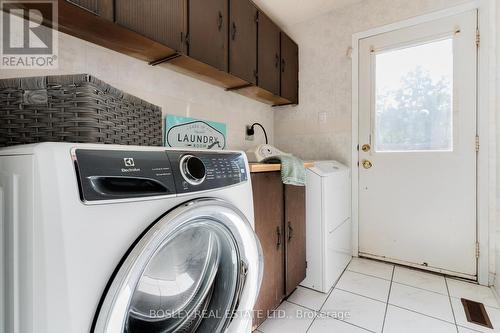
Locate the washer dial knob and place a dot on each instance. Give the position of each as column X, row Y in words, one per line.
column 193, row 169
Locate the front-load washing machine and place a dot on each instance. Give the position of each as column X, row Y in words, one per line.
column 112, row 239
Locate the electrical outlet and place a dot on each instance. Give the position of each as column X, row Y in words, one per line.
column 249, row 137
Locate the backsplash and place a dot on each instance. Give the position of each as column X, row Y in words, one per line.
column 175, row 93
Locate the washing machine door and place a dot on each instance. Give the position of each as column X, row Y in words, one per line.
column 198, row 269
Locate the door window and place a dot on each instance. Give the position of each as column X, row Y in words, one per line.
column 413, row 98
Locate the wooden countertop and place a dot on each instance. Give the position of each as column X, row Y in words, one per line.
column 267, row 167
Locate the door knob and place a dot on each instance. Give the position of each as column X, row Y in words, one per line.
column 366, row 147
column 367, row 164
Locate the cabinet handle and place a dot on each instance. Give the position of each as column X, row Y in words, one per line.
column 283, row 63
column 233, row 33
column 276, row 60
column 290, row 231
column 219, row 21
column 278, row 233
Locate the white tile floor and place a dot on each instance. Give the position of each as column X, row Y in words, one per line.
column 377, row 297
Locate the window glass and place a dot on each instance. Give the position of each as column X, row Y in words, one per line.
column 413, row 98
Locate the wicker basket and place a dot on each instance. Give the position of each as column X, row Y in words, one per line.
column 74, row 108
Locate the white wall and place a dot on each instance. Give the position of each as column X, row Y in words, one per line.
column 497, row 254
column 173, row 92
column 325, row 75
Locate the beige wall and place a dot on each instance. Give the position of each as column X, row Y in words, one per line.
column 325, row 76
column 173, row 92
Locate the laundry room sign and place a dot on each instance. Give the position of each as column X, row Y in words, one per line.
column 193, row 133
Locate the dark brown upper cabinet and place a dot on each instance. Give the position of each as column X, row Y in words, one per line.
column 228, row 43
column 208, row 32
column 87, row 20
column 243, row 40
column 268, row 55
column 289, row 69
column 163, row 21
column 103, row 8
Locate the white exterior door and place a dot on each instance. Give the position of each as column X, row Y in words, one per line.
column 417, row 145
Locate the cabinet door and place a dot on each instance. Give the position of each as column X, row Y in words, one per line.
column 295, row 224
column 163, row 21
column 269, row 216
column 289, row 69
column 243, row 40
column 102, row 8
column 268, row 55
column 208, row 36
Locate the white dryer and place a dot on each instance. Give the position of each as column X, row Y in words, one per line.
column 112, row 239
column 328, row 224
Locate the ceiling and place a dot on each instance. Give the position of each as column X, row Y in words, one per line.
column 290, row 12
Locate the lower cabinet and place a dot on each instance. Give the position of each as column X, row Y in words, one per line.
column 280, row 226
column 295, row 233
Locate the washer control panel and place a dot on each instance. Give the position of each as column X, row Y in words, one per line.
column 121, row 174
column 201, row 171
column 193, row 170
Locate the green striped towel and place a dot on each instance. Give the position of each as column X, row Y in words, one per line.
column 293, row 171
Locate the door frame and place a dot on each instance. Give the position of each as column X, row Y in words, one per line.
column 486, row 129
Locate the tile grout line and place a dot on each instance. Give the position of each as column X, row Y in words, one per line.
column 388, row 296
column 404, row 284
column 327, row 296
column 468, row 328
column 334, row 286
column 318, row 312
column 351, row 324
column 312, row 322
column 420, row 288
column 302, row 306
column 346, row 322
column 400, row 307
column 373, row 276
column 422, row 314
column 451, row 305
column 368, row 297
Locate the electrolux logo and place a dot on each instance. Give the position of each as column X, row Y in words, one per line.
column 129, row 162
column 29, row 39
column 130, row 165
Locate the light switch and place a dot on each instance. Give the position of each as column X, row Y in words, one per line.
column 322, row 117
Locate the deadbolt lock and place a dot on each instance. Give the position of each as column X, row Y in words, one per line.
column 366, row 147
column 367, row 164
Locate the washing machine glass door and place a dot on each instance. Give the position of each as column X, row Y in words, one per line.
column 186, row 274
